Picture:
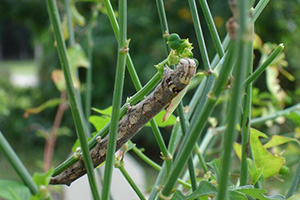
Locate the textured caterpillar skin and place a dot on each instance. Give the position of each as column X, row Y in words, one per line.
column 137, row 116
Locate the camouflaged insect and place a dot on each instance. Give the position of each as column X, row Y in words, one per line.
column 172, row 84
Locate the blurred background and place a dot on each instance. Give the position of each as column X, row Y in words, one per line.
column 28, row 56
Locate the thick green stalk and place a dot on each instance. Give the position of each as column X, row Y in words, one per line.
column 267, row 62
column 195, row 130
column 17, row 164
column 199, row 34
column 117, row 97
column 77, row 116
column 131, row 182
column 295, row 182
column 212, row 28
column 237, row 94
column 246, row 117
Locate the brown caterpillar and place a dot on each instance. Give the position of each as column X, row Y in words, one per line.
column 173, row 81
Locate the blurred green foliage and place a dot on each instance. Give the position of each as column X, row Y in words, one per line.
column 147, row 48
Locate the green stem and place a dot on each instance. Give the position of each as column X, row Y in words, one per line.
column 70, row 26
column 117, row 97
column 137, row 84
column 267, row 62
column 163, row 20
column 115, row 27
column 88, row 92
column 131, row 182
column 190, row 161
column 199, row 34
column 258, row 9
column 295, row 182
column 154, row 165
column 195, row 130
column 260, row 120
column 237, row 90
column 77, row 116
column 246, row 117
column 212, row 28
column 201, row 159
column 17, row 164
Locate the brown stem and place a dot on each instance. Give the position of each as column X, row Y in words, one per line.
column 50, row 140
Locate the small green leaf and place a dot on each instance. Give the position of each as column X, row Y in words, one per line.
column 12, row 190
column 174, row 103
column 43, row 178
column 279, row 140
column 255, row 173
column 204, row 189
column 295, row 117
column 159, row 120
column 215, row 164
column 58, row 79
column 76, row 16
column 77, row 58
column 48, row 104
column 99, row 121
column 235, row 195
column 258, row 194
column 237, row 149
column 106, row 111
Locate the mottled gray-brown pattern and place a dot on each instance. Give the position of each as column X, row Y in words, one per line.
column 137, row 116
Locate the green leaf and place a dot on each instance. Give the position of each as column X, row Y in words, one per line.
column 12, row 190
column 174, row 103
column 76, row 16
column 237, row 149
column 99, row 121
column 263, row 159
column 77, row 58
column 255, row 173
column 258, row 194
column 204, row 189
column 48, row 104
column 178, row 196
column 106, row 111
column 216, row 166
column 235, row 195
column 295, row 117
column 58, row 79
column 159, row 120
column 43, row 178
column 279, row 140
